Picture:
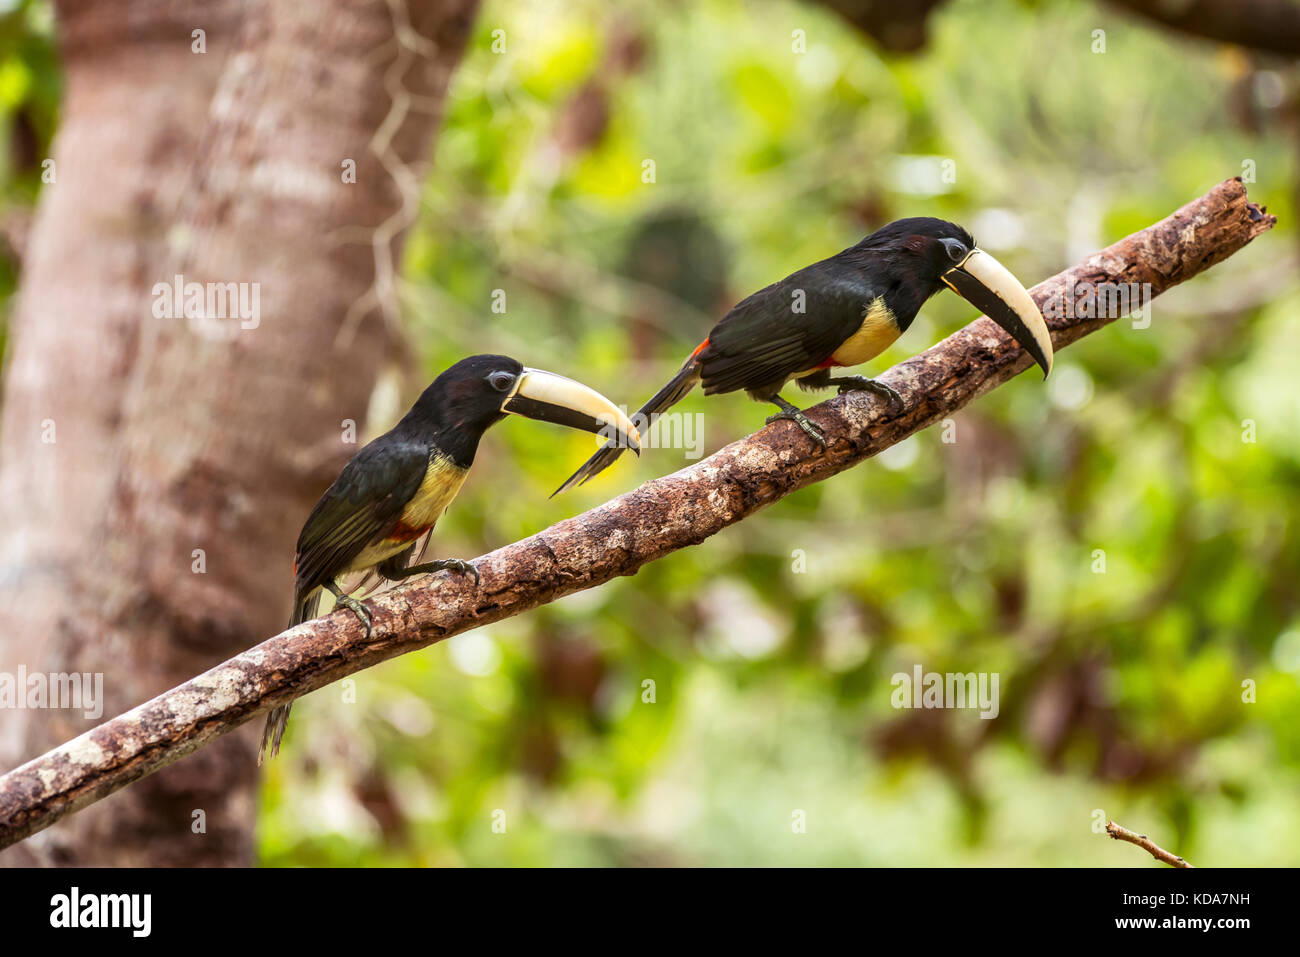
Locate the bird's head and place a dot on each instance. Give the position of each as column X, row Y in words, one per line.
column 932, row 253
column 480, row 391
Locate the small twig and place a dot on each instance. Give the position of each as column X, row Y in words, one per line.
column 1144, row 842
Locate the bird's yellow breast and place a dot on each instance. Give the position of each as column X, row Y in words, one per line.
column 440, row 485
column 442, row 482
column 879, row 331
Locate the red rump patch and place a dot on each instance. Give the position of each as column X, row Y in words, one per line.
column 699, row 348
column 407, row 533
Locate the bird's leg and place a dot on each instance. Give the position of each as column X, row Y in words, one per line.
column 860, row 383
column 790, row 412
column 351, row 604
column 455, row 564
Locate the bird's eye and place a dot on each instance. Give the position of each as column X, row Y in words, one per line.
column 501, row 381
column 956, row 250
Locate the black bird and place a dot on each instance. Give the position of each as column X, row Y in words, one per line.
column 840, row 312
column 395, row 489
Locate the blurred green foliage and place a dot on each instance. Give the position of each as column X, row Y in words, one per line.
column 771, row 647
column 1122, row 691
column 30, row 86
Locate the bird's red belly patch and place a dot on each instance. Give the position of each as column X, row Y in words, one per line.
column 407, row 533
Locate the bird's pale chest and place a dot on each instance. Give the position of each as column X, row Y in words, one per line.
column 878, row 332
column 441, row 483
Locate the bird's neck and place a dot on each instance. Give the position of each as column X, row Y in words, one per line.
column 906, row 299
column 456, row 440
column 905, row 282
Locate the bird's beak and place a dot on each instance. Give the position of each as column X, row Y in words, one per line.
column 548, row 397
column 989, row 286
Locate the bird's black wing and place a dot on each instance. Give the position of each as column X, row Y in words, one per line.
column 362, row 506
column 764, row 340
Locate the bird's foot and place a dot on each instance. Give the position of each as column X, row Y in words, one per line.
column 428, row 568
column 860, row 383
column 357, row 608
column 801, row 420
column 455, row 565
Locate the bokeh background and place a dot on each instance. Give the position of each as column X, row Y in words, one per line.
column 1161, row 692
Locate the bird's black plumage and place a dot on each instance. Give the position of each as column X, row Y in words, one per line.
column 761, row 342
column 393, row 490
column 363, row 506
column 365, row 519
column 840, row 311
column 366, row 502
column 797, row 324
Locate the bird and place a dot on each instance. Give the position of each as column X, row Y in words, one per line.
column 842, row 311
column 394, row 490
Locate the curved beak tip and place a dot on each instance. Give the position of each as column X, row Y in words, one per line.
column 990, row 287
column 548, row 397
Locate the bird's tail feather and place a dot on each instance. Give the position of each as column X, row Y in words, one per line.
column 672, row 393
column 304, row 609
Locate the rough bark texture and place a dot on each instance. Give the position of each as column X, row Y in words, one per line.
column 172, row 436
column 617, row 538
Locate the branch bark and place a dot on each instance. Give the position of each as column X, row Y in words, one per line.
column 1144, row 842
column 897, row 27
column 1269, row 25
column 617, row 538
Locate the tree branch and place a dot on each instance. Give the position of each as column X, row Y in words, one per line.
column 1144, row 842
column 1269, row 25
column 897, row 27
column 616, row 538
column 1272, row 26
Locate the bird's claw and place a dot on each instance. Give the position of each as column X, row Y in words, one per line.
column 465, row 568
column 456, row 565
column 860, row 383
column 801, row 420
column 359, row 609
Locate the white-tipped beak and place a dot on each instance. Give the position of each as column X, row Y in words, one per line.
column 548, row 397
column 990, row 287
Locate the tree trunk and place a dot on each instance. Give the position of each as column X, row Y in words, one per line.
column 152, row 537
